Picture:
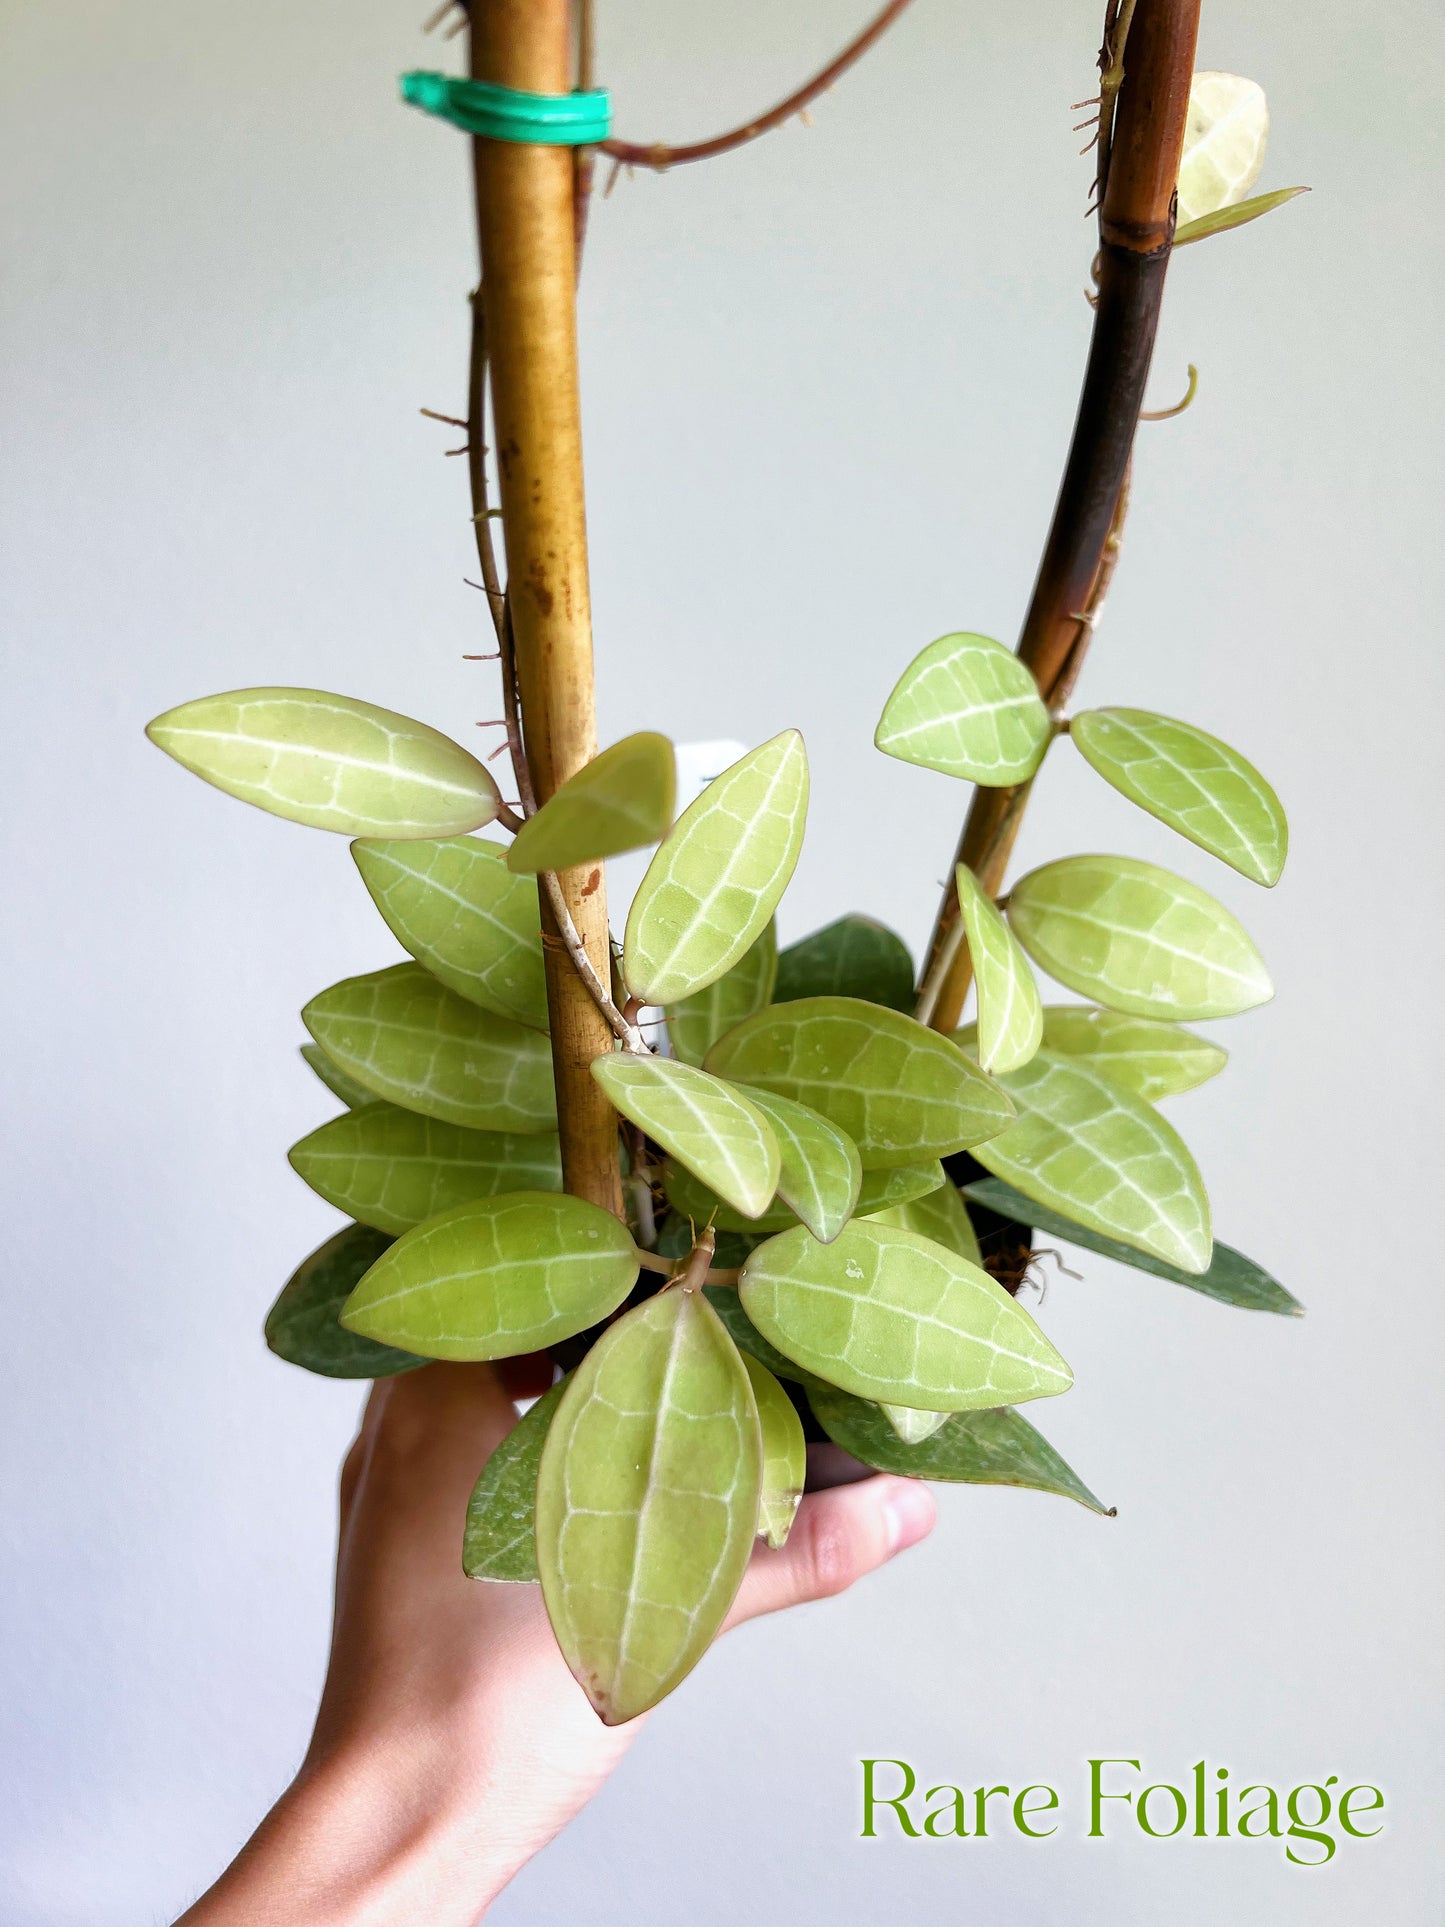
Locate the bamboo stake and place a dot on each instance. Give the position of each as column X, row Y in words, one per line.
column 1136, row 229
column 528, row 252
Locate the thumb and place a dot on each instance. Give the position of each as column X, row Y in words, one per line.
column 837, row 1537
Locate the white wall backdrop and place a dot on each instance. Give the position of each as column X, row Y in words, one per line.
column 829, row 382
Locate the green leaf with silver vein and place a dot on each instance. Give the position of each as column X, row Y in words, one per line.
column 1086, row 1147
column 889, row 1315
column 819, row 1171
column 500, row 1539
column 302, row 1327
column 707, row 1125
column 647, row 1501
column 1010, row 1010
column 1137, row 938
column 330, row 761
column 409, row 1039
column 351, row 1094
column 695, row 1024
column 785, row 1455
column 455, row 905
column 996, row 1447
column 1191, row 781
column 496, row 1278
column 621, row 800
column 939, row 1214
column 877, row 1191
column 1225, row 132
column 746, row 1336
column 1149, row 1058
column 395, row 1169
column 1237, row 215
column 852, row 957
column 968, row 707
column 901, row 1092
column 717, row 879
column 1231, row 1278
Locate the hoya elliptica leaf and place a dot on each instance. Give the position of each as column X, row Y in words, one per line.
column 1137, row 938
column 717, row 879
column 302, row 1326
column 1240, row 214
column 876, row 1192
column 647, row 1501
column 968, row 707
column 496, row 1278
column 852, row 957
column 1190, row 780
column 1149, row 1058
column 1231, row 1278
column 500, row 1539
column 819, row 1170
column 330, row 761
column 351, row 1094
column 908, row 1425
column 711, row 1128
column 939, row 1214
column 902, row 1093
column 619, row 801
column 785, row 1454
column 409, row 1039
column 454, row 904
column 395, row 1169
column 1225, row 133
column 695, row 1024
column 1010, row 1010
column 997, row 1447
column 1100, row 1155
column 889, row 1315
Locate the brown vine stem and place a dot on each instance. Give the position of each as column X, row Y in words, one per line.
column 660, row 156
column 527, row 241
column 1136, row 227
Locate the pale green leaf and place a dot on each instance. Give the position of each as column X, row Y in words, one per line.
column 698, row 1021
column 499, row 1541
column 852, row 957
column 819, row 1170
column 302, row 1326
column 395, row 1169
column 996, row 1447
column 1225, row 133
column 938, row 1214
column 455, row 905
column 351, row 1094
column 1238, row 215
column 619, row 801
column 968, row 707
column 878, row 1190
column 902, row 1093
column 1191, row 781
column 889, row 1315
column 409, row 1039
column 1137, row 938
column 1010, row 1010
column 1231, row 1278
column 647, row 1501
column 909, row 1426
column 330, row 761
column 1150, row 1058
column 496, row 1278
column 785, row 1454
column 717, row 879
column 703, row 1122
column 1097, row 1153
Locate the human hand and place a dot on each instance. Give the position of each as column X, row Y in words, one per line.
column 452, row 1742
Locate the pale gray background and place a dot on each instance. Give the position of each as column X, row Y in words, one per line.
column 828, row 386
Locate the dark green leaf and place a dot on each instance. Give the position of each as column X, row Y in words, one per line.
column 854, row 957
column 500, row 1538
column 351, row 1094
column 301, row 1326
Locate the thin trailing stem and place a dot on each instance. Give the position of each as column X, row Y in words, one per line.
column 1140, row 165
column 657, row 154
column 627, row 1034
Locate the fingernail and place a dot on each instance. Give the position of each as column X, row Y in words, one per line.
column 910, row 1512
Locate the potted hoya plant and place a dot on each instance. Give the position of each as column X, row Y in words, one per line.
column 744, row 1197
